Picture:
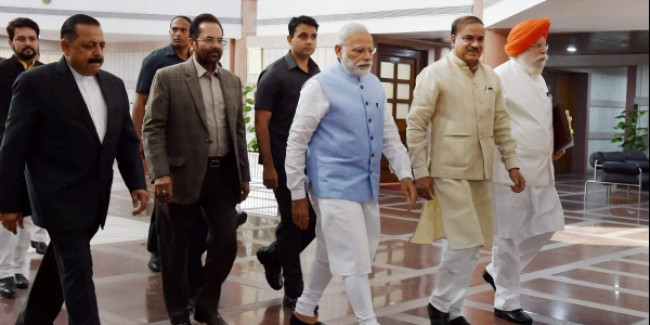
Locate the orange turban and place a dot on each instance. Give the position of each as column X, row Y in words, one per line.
column 525, row 34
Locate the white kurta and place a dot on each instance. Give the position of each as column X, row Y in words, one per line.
column 537, row 210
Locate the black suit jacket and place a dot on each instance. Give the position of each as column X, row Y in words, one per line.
column 9, row 71
column 51, row 137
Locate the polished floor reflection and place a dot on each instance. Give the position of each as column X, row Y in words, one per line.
column 594, row 272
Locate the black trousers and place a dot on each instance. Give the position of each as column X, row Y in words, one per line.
column 220, row 192
column 197, row 247
column 290, row 240
column 65, row 274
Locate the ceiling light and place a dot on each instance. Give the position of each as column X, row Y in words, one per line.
column 571, row 48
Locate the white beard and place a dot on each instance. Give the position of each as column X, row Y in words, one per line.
column 354, row 68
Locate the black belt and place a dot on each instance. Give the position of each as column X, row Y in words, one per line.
column 216, row 161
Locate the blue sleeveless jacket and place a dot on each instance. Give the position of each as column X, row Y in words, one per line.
column 344, row 155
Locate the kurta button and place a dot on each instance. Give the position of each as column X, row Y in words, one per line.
column 366, row 103
column 361, row 86
column 369, row 120
column 207, row 140
column 372, row 138
column 372, row 155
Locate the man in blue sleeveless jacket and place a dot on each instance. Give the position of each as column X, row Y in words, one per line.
column 339, row 132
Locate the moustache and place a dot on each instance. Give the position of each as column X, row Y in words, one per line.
column 368, row 62
column 96, row 60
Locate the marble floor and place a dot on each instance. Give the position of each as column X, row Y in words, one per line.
column 593, row 272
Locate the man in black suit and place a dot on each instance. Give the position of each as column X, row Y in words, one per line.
column 68, row 123
column 194, row 139
column 23, row 39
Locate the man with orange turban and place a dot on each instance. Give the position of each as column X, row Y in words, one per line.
column 524, row 222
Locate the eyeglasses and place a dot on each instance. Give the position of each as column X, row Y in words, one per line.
column 361, row 50
column 212, row 41
column 539, row 46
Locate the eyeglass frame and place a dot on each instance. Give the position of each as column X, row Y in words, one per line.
column 360, row 50
column 211, row 41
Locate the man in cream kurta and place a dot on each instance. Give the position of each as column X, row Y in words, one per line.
column 461, row 100
column 524, row 222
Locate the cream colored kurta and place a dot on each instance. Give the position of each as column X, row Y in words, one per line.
column 467, row 116
column 537, row 209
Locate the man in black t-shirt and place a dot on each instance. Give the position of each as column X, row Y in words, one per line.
column 278, row 90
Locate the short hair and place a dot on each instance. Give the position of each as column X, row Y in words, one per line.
column 69, row 28
column 461, row 22
column 347, row 30
column 202, row 18
column 21, row 22
column 295, row 21
column 181, row 17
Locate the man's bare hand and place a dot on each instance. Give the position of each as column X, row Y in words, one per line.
column 517, row 179
column 140, row 200
column 245, row 189
column 11, row 221
column 409, row 191
column 300, row 213
column 270, row 177
column 424, row 187
column 163, row 189
column 558, row 155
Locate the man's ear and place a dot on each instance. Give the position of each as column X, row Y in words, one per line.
column 65, row 47
column 289, row 38
column 339, row 50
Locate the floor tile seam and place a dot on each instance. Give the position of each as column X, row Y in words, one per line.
column 593, row 222
column 400, row 218
column 111, row 249
column 622, row 220
column 567, row 280
column 407, row 318
column 556, row 245
column 111, row 318
column 632, row 261
column 121, row 242
column 642, row 322
column 121, row 277
column 616, row 272
column 584, row 303
column 536, row 317
column 579, row 264
column 586, row 234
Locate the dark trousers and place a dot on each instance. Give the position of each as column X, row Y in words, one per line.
column 197, row 247
column 220, row 193
column 65, row 274
column 290, row 240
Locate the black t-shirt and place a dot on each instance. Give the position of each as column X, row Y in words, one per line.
column 278, row 91
column 157, row 59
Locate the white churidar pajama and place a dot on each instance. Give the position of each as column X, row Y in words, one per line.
column 13, row 248
column 341, row 225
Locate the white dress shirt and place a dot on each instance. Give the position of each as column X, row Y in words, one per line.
column 94, row 99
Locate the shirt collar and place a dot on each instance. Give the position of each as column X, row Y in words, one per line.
column 78, row 76
column 200, row 70
column 291, row 62
column 458, row 61
column 26, row 65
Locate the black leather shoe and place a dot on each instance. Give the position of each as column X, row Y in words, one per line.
column 191, row 304
column 488, row 278
column 295, row 321
column 154, row 263
column 217, row 320
column 272, row 269
column 437, row 317
column 290, row 302
column 241, row 218
column 459, row 321
column 517, row 316
column 39, row 246
column 21, row 281
column 8, row 287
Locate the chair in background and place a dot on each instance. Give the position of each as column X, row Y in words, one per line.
column 619, row 168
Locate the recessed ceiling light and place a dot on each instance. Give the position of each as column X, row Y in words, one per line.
column 571, row 48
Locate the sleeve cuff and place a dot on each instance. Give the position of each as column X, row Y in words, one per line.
column 421, row 172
